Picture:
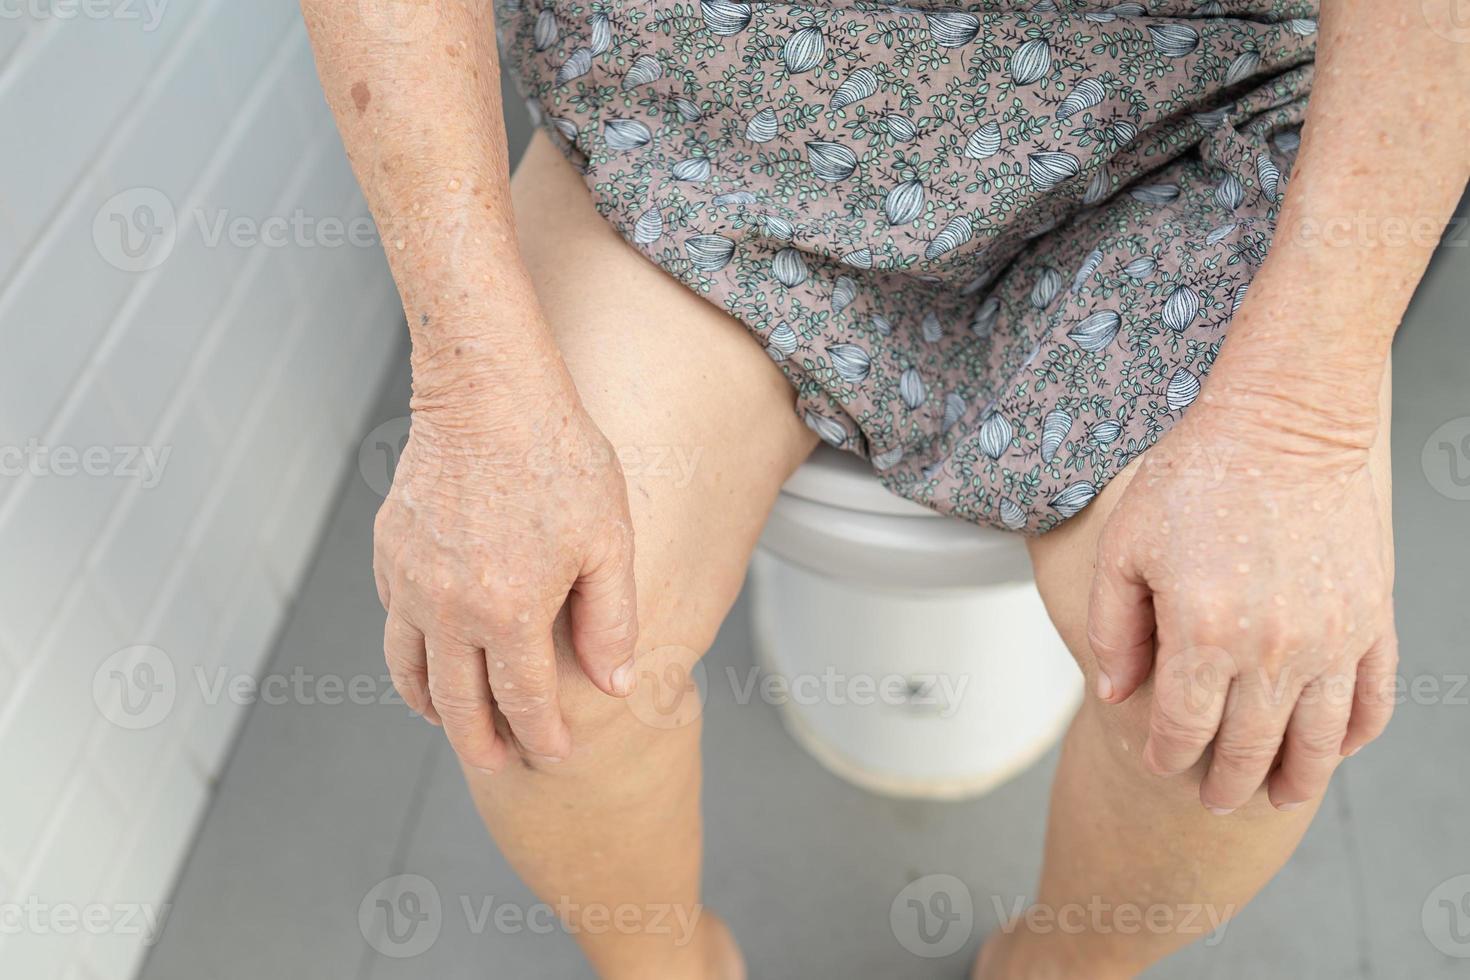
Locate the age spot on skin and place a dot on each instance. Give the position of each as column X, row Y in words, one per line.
column 361, row 96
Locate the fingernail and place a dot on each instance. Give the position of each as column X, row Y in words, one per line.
column 1221, row 811
column 1104, row 686
column 1290, row 806
column 484, row 772
column 622, row 678
column 1353, row 753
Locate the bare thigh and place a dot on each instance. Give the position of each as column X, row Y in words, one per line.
column 702, row 419
column 1064, row 561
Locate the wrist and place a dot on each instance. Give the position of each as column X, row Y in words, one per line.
column 1290, row 403
column 485, row 393
column 474, row 376
column 480, row 347
column 1297, row 361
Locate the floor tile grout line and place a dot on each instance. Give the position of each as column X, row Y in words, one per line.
column 1356, row 874
column 411, row 819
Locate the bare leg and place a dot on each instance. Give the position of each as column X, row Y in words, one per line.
column 1120, row 836
column 703, row 423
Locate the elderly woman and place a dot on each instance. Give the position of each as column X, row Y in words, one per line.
column 996, row 248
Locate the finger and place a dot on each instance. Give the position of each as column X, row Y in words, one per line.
column 1250, row 734
column 522, row 670
column 381, row 561
column 1313, row 737
column 1190, row 688
column 461, row 694
column 603, row 606
column 403, row 649
column 381, row 581
column 1373, row 696
column 1120, row 625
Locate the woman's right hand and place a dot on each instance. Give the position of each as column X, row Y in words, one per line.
column 495, row 520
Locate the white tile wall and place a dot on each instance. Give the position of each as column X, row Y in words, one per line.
column 251, row 365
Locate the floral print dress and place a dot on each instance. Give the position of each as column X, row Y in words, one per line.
column 995, row 246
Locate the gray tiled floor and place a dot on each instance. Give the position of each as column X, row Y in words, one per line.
column 321, row 802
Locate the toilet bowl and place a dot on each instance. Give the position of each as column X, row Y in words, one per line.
column 908, row 652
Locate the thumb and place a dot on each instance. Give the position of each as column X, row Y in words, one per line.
column 603, row 607
column 1120, row 625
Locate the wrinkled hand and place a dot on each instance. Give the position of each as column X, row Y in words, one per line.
column 1250, row 569
column 491, row 526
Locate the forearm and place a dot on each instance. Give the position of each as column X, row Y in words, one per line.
column 1385, row 156
column 418, row 106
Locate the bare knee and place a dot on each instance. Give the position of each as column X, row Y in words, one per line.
column 1117, row 734
column 662, row 714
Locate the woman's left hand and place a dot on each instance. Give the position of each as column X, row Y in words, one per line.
column 1249, row 566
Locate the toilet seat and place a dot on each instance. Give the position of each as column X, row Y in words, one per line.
column 834, row 517
column 831, row 476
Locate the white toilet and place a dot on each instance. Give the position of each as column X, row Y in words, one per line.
column 908, row 652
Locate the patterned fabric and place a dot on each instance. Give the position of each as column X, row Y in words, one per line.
column 995, row 246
